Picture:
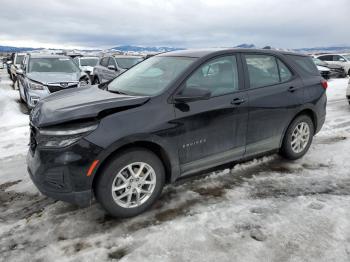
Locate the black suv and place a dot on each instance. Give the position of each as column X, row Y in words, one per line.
column 172, row 115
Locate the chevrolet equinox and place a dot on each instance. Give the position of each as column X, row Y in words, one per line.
column 170, row 116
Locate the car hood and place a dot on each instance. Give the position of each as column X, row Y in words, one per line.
column 87, row 68
column 322, row 68
column 80, row 103
column 53, row 77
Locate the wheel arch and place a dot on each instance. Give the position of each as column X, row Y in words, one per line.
column 158, row 149
column 305, row 111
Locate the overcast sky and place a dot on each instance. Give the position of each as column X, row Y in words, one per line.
column 177, row 23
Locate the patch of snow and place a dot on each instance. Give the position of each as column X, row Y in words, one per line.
column 267, row 209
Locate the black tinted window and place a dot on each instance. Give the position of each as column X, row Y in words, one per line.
column 326, row 58
column 219, row 76
column 305, row 63
column 262, row 69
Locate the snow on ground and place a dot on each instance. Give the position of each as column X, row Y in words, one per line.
column 268, row 209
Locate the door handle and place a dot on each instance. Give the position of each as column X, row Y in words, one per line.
column 237, row 101
column 292, row 89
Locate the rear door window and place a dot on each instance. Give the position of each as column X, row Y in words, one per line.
column 104, row 61
column 111, row 62
column 285, row 73
column 262, row 69
column 305, row 63
column 326, row 58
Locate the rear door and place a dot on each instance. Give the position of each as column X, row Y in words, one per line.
column 213, row 131
column 274, row 93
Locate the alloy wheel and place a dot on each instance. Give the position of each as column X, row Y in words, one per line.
column 133, row 185
column 300, row 137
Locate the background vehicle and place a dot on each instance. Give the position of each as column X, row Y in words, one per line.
column 8, row 67
column 337, row 59
column 17, row 61
column 111, row 66
column 87, row 64
column 1, row 64
column 42, row 75
column 101, row 140
column 335, row 70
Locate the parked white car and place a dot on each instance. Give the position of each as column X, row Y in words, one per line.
column 87, row 64
column 348, row 92
column 337, row 59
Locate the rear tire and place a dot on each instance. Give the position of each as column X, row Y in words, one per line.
column 121, row 187
column 298, row 138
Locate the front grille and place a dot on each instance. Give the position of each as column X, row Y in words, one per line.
column 55, row 87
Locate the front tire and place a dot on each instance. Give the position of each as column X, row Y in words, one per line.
column 96, row 80
column 298, row 138
column 130, row 183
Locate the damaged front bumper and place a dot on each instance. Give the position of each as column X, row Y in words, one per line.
column 62, row 173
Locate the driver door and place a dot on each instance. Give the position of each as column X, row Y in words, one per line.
column 213, row 131
column 111, row 73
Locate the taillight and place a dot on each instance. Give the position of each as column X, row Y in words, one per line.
column 324, row 84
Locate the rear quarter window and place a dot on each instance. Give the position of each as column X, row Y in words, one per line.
column 305, row 63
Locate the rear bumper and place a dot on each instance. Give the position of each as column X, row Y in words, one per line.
column 321, row 112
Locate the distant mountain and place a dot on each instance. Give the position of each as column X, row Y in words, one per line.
column 145, row 49
column 330, row 49
column 245, row 46
column 131, row 48
column 17, row 49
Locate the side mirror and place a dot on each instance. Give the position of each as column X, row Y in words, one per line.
column 112, row 67
column 342, row 60
column 190, row 94
column 19, row 71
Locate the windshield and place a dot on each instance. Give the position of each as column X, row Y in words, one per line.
column 59, row 65
column 88, row 61
column 150, row 77
column 127, row 62
column 19, row 59
column 347, row 57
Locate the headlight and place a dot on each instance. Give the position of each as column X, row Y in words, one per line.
column 63, row 136
column 83, row 83
column 35, row 86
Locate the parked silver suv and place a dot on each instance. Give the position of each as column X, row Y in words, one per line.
column 111, row 66
column 41, row 75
